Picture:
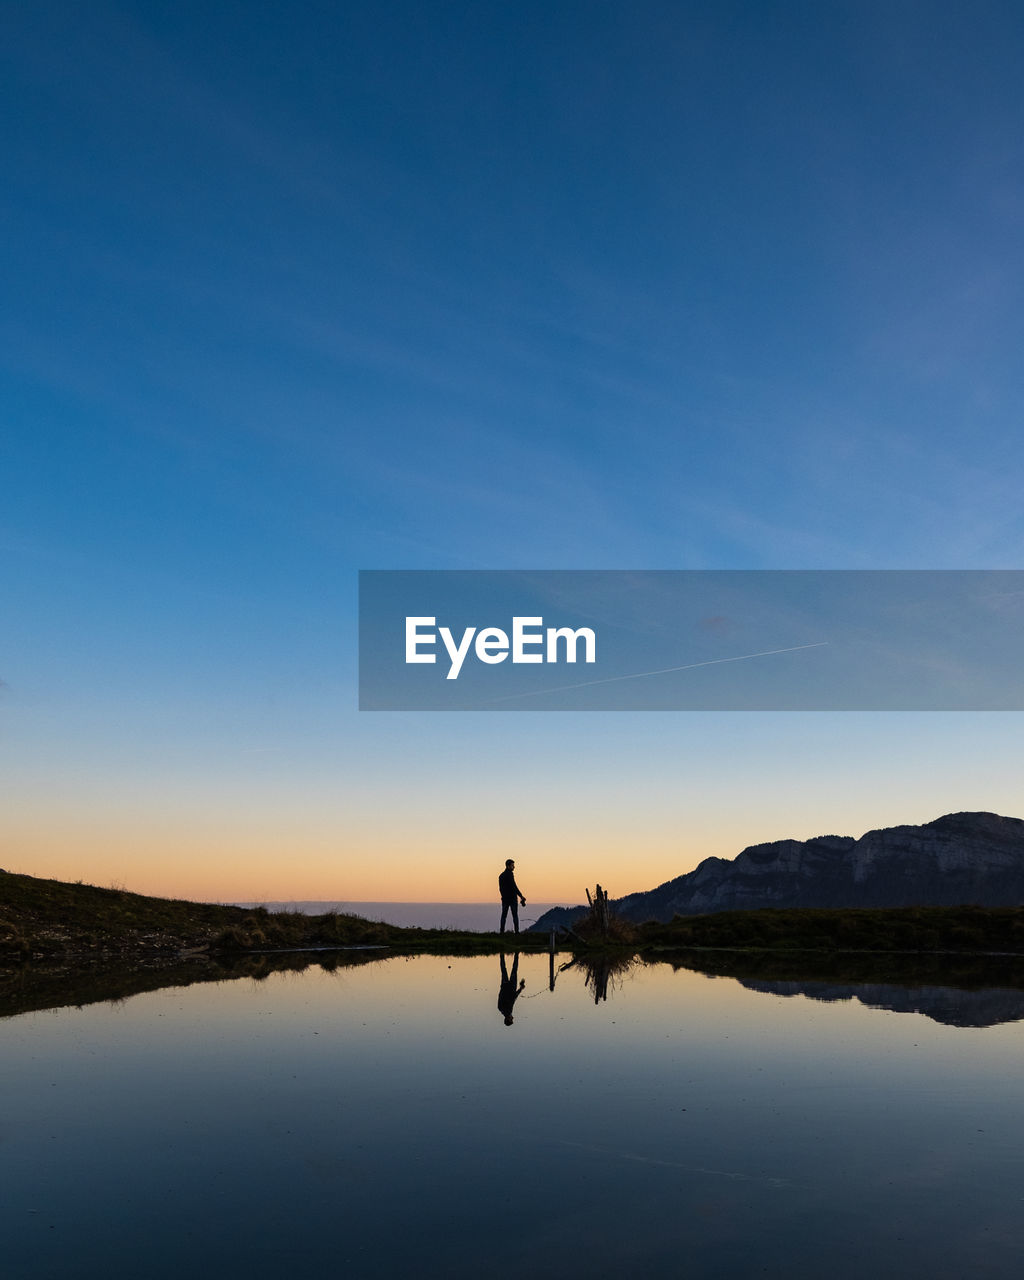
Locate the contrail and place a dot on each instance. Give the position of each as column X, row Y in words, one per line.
column 675, row 1164
column 663, row 671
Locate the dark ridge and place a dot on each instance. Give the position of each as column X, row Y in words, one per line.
column 956, row 859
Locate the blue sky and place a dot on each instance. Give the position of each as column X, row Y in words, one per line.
column 296, row 290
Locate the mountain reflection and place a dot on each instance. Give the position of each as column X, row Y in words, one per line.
column 949, row 1005
column 957, row 991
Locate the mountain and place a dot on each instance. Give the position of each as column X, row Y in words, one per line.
column 960, row 858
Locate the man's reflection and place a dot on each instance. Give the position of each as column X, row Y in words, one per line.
column 511, row 988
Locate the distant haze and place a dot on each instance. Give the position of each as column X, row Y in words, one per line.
column 482, row 916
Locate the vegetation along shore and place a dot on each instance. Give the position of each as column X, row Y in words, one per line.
column 51, row 919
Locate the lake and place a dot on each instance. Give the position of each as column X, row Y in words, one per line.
column 382, row 1117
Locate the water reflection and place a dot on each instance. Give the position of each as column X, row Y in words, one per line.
column 510, row 990
column 956, row 991
column 25, row 988
column 354, row 1117
column 601, row 971
column 951, row 1006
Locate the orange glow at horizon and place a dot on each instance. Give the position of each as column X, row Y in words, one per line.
column 235, row 864
column 405, row 845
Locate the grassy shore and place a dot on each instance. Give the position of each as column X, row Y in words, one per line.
column 967, row 929
column 50, row 919
column 44, row 919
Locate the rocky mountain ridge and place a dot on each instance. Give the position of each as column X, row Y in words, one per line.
column 959, row 858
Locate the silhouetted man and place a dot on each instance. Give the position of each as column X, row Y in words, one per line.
column 509, row 992
column 509, row 891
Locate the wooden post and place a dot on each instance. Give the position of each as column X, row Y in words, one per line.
column 600, row 903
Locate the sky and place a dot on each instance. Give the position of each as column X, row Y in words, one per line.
column 291, row 291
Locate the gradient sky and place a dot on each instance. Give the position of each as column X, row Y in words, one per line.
column 294, row 290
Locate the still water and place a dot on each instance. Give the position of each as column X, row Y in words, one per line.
column 387, row 1120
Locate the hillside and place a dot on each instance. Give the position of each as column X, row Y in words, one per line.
column 956, row 859
column 50, row 918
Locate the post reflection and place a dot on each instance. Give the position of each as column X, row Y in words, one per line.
column 601, row 972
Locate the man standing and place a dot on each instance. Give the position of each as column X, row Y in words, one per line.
column 509, row 892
